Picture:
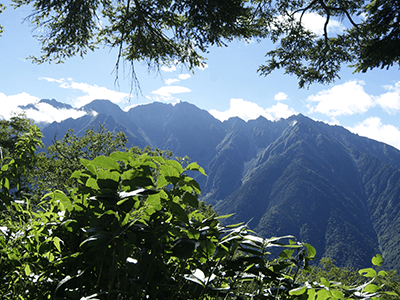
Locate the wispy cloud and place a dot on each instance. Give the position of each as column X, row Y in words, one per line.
column 168, row 69
column 170, row 81
column 165, row 93
column 373, row 128
column 91, row 92
column 184, row 76
column 247, row 110
column 341, row 100
column 180, row 77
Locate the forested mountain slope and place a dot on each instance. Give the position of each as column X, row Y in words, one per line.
column 333, row 189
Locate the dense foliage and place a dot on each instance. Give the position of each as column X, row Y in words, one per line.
column 133, row 228
column 169, row 32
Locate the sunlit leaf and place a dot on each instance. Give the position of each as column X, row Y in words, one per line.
column 310, row 250
column 298, row 291
column 105, row 162
column 323, row 294
column 377, row 260
column 368, row 272
column 371, row 288
column 27, row 270
column 337, row 294
column 92, row 183
column 325, row 282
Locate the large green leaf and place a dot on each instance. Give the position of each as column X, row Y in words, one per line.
column 178, row 211
column 298, row 291
column 105, row 162
column 153, row 203
column 194, row 166
column 190, row 199
column 367, row 272
column 310, row 250
column 377, row 260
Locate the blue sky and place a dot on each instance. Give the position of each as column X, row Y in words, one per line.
column 367, row 104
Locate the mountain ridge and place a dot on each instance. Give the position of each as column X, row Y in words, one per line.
column 327, row 186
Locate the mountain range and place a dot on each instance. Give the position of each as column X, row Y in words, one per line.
column 333, row 189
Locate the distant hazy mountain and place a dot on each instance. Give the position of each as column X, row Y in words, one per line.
column 333, row 189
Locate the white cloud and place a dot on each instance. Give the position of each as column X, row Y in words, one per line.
column 52, row 79
column 280, row 96
column 315, row 23
column 184, row 76
column 345, row 99
column 39, row 112
column 374, row 129
column 390, row 101
column 247, row 110
column 168, row 69
column 279, row 111
column 165, row 93
column 92, row 92
column 9, row 104
column 170, row 81
column 48, row 113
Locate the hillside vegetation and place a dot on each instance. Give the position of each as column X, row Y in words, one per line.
column 328, row 187
column 129, row 225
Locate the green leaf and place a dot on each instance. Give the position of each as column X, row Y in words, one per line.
column 176, row 165
column 5, row 183
column 298, row 291
column 76, row 174
column 178, row 211
column 121, row 156
column 371, row 288
column 323, row 294
column 184, row 247
column 377, row 260
column 368, row 272
column 286, row 253
column 194, row 166
column 56, row 242
column 162, row 181
column 27, row 270
column 154, row 203
column 391, row 293
column 105, row 162
column 325, row 282
column 64, row 200
column 337, row 294
column 310, row 250
column 312, row 293
column 191, row 200
column 92, row 183
column 382, row 273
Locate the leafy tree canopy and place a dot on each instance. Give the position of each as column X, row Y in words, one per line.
column 169, row 32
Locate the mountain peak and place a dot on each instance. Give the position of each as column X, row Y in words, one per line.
column 102, row 106
column 56, row 104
